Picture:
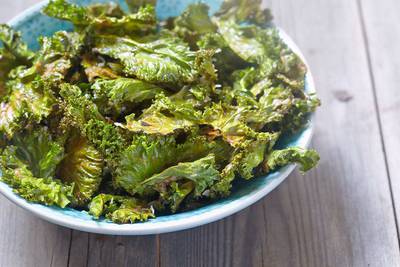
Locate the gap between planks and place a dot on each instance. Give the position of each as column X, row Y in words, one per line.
column 377, row 110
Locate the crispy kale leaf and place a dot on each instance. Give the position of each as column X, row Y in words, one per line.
column 135, row 5
column 14, row 53
column 105, row 22
column 97, row 67
column 174, row 194
column 145, row 157
column 153, row 154
column 13, row 44
column 42, row 190
column 57, row 55
column 11, row 113
column 230, row 122
column 226, row 60
column 82, row 114
column 83, row 166
column 241, row 40
column 105, row 10
column 107, row 138
column 78, row 108
column 165, row 61
column 31, row 102
column 193, row 23
column 245, row 10
column 61, row 9
column 307, row 159
column 164, row 117
column 298, row 116
column 245, row 160
column 120, row 209
column 38, row 151
column 195, row 19
column 119, row 95
column 202, row 172
column 263, row 47
column 254, row 152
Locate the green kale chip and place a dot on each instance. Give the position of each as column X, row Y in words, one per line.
column 202, row 172
column 245, row 161
column 78, row 108
column 13, row 45
column 154, row 154
column 135, row 5
column 105, row 10
column 45, row 191
column 118, row 95
column 38, row 151
column 164, row 61
column 245, row 10
column 102, row 20
column 241, row 40
column 164, row 117
column 57, row 55
column 193, row 23
column 120, row 209
column 16, row 172
column 27, row 102
column 307, row 159
column 151, row 155
column 82, row 166
column 14, row 53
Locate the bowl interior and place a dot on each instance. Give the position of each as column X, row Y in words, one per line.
column 33, row 24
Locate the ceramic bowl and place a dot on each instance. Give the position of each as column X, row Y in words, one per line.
column 32, row 24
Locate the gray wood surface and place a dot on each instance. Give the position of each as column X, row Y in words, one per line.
column 29, row 241
column 341, row 214
column 383, row 46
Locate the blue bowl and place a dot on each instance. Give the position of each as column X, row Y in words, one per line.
column 33, row 24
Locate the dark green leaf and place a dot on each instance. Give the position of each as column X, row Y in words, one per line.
column 165, row 61
column 120, row 209
column 118, row 95
column 307, row 159
column 82, row 166
column 46, row 191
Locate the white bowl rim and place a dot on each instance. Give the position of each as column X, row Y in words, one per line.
column 164, row 226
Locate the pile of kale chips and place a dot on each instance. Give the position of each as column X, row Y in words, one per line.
column 129, row 117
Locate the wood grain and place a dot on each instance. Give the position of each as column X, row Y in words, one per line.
column 27, row 241
column 338, row 215
column 79, row 248
column 382, row 34
column 122, row 251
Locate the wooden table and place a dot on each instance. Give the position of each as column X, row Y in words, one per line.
column 341, row 214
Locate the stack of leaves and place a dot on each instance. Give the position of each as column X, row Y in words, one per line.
column 128, row 117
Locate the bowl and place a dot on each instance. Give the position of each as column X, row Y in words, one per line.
column 32, row 24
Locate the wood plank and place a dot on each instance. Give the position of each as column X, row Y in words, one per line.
column 382, row 31
column 122, row 251
column 78, row 249
column 102, row 250
column 26, row 240
column 338, row 215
